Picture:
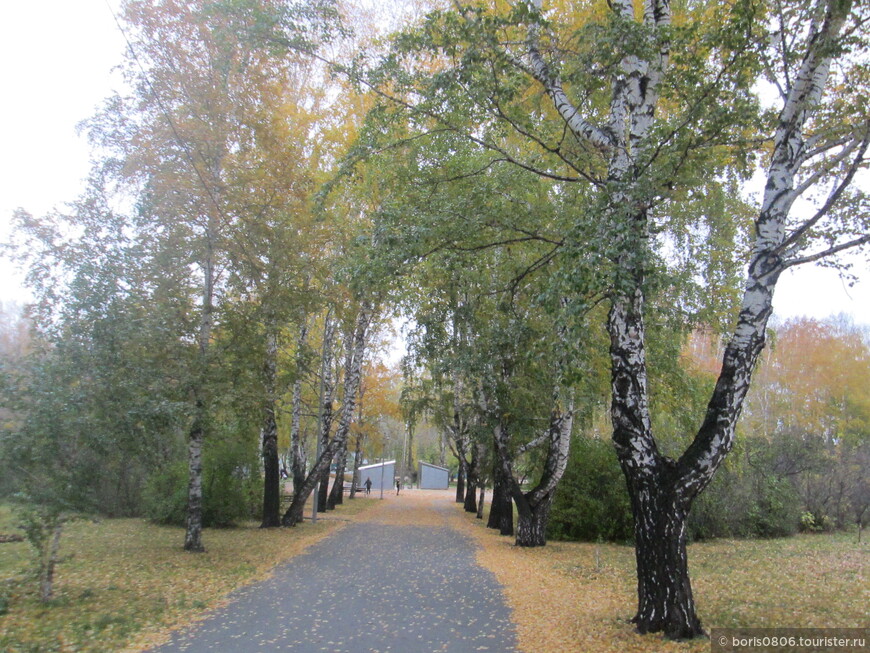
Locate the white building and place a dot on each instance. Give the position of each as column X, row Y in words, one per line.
column 433, row 477
column 381, row 475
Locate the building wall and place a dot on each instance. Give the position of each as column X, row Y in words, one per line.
column 374, row 472
column 433, row 477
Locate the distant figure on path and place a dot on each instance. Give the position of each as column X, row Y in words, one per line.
column 398, row 487
column 368, row 485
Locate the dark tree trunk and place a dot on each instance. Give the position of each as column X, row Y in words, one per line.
column 532, row 521
column 323, row 490
column 480, row 500
column 470, row 501
column 336, row 496
column 501, row 509
column 473, row 473
column 665, row 602
column 299, row 465
column 271, row 465
column 460, row 482
column 506, row 514
column 354, row 479
column 272, row 479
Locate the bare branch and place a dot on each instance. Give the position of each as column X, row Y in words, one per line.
column 857, row 242
column 833, row 197
column 825, row 168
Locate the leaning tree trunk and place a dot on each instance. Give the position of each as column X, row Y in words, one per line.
column 271, row 466
column 352, row 378
column 336, row 495
column 297, row 449
column 326, row 397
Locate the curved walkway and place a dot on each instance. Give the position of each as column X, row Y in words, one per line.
column 400, row 579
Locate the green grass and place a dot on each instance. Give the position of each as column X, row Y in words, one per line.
column 123, row 580
column 577, row 596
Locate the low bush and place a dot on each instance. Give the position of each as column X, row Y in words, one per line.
column 591, row 501
column 232, row 488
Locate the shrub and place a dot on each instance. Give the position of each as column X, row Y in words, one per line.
column 591, row 502
column 776, row 509
column 232, row 488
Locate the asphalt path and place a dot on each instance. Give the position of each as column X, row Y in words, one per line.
column 403, row 582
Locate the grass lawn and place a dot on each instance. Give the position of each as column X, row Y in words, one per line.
column 570, row 596
column 124, row 581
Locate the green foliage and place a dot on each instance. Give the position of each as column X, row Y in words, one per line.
column 42, row 528
column 164, row 497
column 775, row 512
column 232, row 488
column 591, row 502
column 752, row 495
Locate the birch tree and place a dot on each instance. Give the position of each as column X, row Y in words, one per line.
column 647, row 105
column 806, row 154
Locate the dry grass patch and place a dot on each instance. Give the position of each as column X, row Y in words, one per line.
column 580, row 597
column 125, row 582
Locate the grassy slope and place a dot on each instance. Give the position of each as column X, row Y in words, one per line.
column 125, row 581
column 580, row 597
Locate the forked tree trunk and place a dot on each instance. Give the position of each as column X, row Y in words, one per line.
column 533, row 507
column 532, row 520
column 664, row 589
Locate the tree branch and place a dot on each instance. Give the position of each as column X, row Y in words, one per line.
column 857, row 242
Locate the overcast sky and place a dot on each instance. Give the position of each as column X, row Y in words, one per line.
column 56, row 59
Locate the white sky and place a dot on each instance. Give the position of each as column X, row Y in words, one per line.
column 56, row 58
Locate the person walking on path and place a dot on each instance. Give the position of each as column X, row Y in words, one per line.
column 398, row 486
column 368, row 485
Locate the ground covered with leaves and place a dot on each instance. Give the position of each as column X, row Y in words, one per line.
column 124, row 582
column 571, row 596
